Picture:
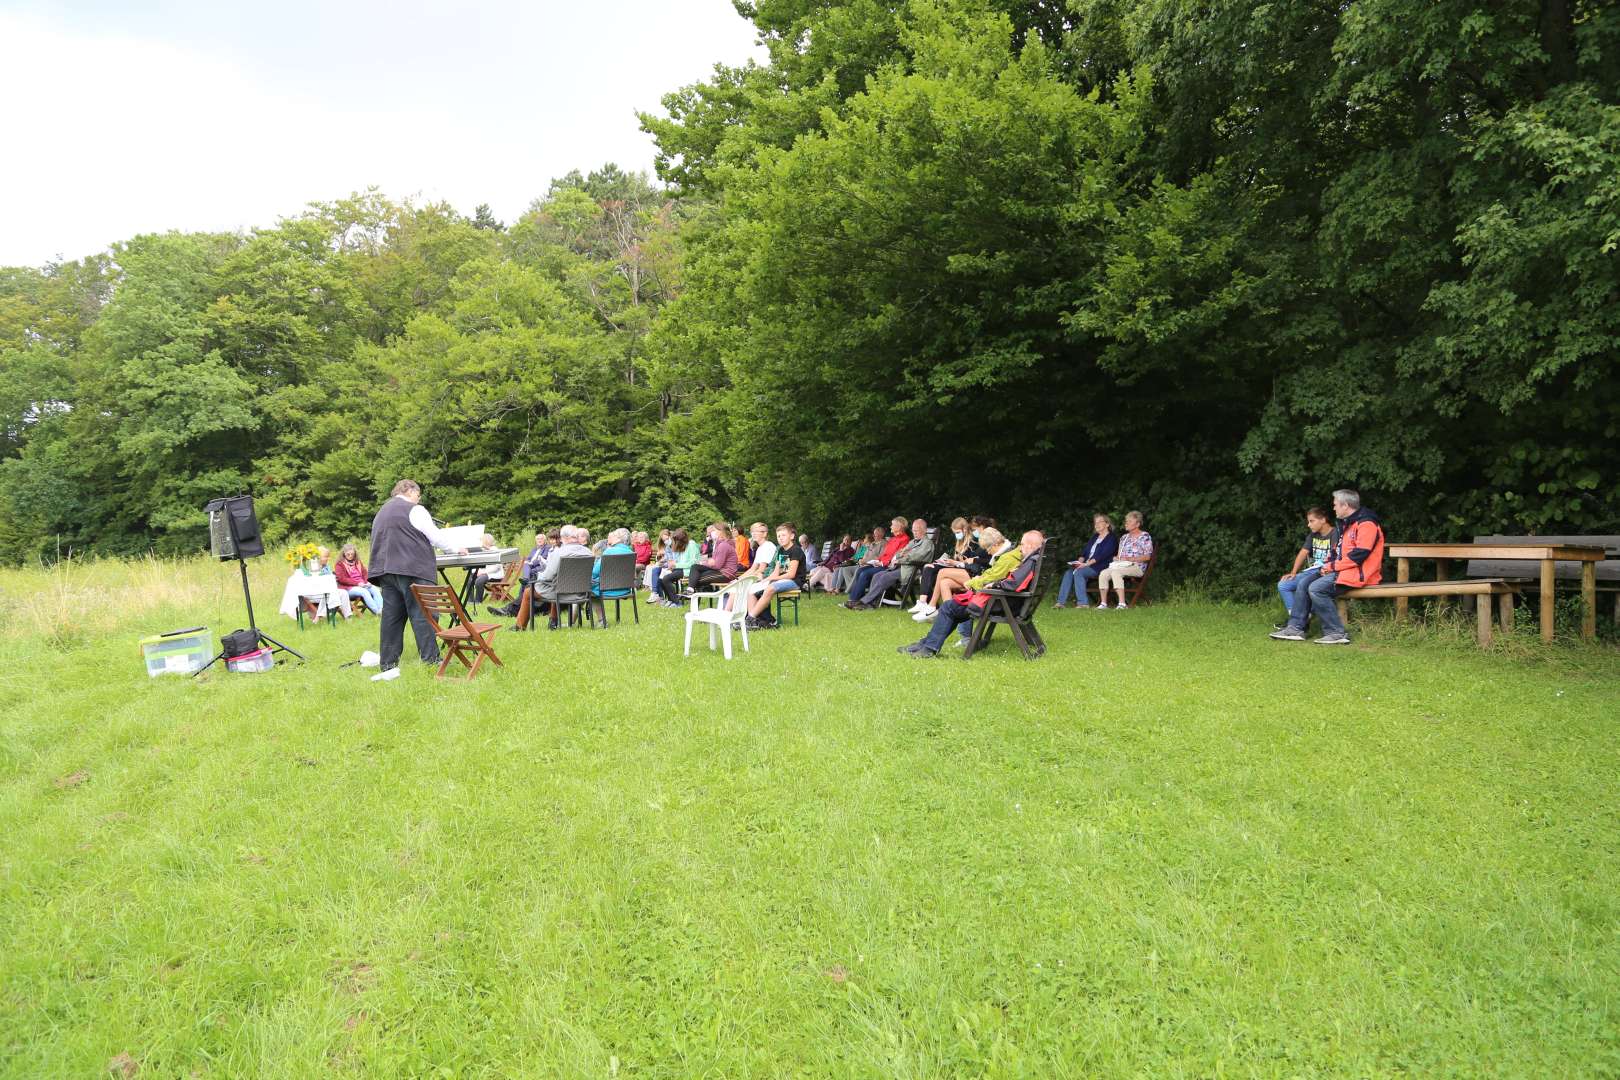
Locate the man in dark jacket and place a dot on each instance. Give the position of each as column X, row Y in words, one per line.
column 403, row 537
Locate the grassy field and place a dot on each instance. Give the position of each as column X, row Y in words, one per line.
column 1172, row 847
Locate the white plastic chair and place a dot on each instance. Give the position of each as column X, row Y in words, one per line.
column 721, row 616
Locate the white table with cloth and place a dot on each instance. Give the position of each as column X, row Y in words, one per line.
column 322, row 588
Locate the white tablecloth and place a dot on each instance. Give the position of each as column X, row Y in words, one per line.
column 322, row 588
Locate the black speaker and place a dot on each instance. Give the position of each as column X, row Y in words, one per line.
column 233, row 529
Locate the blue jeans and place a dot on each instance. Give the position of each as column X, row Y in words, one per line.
column 370, row 594
column 1299, row 597
column 951, row 615
column 1287, row 587
column 1075, row 580
column 863, row 580
column 1314, row 594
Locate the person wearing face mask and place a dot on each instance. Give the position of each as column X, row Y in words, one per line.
column 964, row 549
column 719, row 565
column 948, row 579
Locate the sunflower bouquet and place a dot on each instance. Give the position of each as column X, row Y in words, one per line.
column 302, row 557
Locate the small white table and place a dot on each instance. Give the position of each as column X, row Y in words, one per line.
column 322, row 588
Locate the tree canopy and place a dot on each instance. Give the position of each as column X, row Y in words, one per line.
column 1033, row 259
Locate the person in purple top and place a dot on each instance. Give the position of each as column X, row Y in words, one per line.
column 1092, row 562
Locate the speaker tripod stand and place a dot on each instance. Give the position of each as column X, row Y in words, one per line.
column 259, row 636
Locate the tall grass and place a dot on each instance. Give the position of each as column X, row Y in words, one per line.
column 75, row 600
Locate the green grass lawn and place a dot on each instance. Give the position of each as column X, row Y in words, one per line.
column 1172, row 847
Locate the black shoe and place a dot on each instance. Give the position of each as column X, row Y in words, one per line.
column 918, row 649
column 505, row 610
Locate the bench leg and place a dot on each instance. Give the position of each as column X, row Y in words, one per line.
column 1344, row 613
column 1442, row 572
column 1504, row 604
column 1403, row 574
column 1547, row 566
column 1588, row 600
column 1482, row 613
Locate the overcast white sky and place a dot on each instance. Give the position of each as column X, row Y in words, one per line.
column 118, row 118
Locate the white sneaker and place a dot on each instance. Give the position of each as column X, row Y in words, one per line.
column 925, row 615
column 386, row 676
column 961, row 642
column 1119, row 607
column 1102, row 607
column 918, row 606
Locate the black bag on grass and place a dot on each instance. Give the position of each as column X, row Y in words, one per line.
column 239, row 643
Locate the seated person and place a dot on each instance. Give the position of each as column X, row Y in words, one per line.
column 1015, row 564
column 825, row 576
column 1308, row 561
column 1092, row 562
column 764, row 556
column 877, row 561
column 787, row 573
column 323, row 557
column 954, row 573
column 617, row 543
column 720, row 565
column 740, row 542
column 961, row 543
column 1355, row 559
column 528, row 569
column 351, row 576
column 810, row 560
column 1135, row 552
column 574, row 544
column 640, row 544
column 486, row 574
column 655, row 565
column 683, row 554
column 871, row 544
column 907, row 562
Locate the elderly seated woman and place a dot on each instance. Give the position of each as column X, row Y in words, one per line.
column 1091, row 563
column 1011, row 564
column 1135, row 552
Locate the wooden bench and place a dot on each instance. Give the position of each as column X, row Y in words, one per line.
column 1134, row 586
column 1483, row 588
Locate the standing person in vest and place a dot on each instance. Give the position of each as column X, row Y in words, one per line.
column 402, row 541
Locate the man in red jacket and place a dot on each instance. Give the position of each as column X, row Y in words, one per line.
column 1356, row 559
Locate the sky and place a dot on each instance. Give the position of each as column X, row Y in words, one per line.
column 148, row 115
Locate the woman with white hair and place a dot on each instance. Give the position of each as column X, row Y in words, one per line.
column 1135, row 552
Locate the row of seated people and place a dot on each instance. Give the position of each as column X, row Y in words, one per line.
column 724, row 555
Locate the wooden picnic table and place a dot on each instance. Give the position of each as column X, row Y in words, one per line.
column 1548, row 555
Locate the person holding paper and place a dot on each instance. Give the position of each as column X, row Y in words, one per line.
column 403, row 537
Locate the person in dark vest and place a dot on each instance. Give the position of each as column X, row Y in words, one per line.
column 402, row 541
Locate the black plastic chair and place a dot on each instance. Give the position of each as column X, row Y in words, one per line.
column 1014, row 609
column 617, row 582
column 572, row 587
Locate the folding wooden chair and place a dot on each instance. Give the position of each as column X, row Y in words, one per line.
column 463, row 636
column 505, row 590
